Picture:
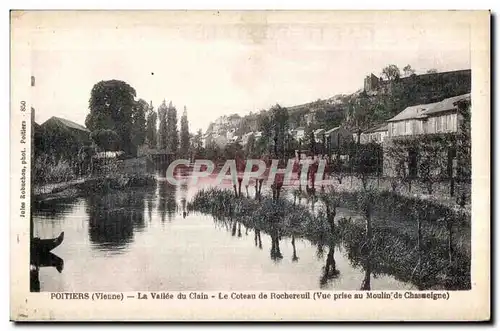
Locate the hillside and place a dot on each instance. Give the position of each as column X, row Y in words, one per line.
column 382, row 100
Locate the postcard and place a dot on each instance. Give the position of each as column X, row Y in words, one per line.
column 250, row 166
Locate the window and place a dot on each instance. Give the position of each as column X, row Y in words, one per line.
column 407, row 127
column 444, row 123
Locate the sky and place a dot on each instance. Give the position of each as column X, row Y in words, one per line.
column 222, row 63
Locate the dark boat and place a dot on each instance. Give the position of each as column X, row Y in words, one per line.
column 44, row 246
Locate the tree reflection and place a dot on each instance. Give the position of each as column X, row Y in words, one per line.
column 114, row 217
column 183, row 193
column 257, row 239
column 295, row 258
column 275, row 245
column 167, row 204
column 330, row 270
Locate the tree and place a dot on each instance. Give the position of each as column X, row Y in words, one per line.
column 265, row 126
column 391, row 72
column 279, row 127
column 250, row 146
column 312, row 142
column 105, row 139
column 162, row 130
column 432, row 167
column 408, row 71
column 172, row 132
column 358, row 115
column 111, row 106
column 139, row 123
column 184, row 134
column 432, row 71
column 151, row 127
column 197, row 144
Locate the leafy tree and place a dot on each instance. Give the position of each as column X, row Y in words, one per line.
column 172, row 132
column 233, row 151
column 162, row 130
column 213, row 151
column 408, row 71
column 105, row 139
column 184, row 133
column 265, row 126
column 197, row 144
column 139, row 122
column 111, row 106
column 250, row 147
column 391, row 72
column 359, row 116
column 432, row 71
column 312, row 142
column 152, row 117
column 279, row 127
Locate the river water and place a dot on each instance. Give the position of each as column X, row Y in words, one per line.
column 145, row 240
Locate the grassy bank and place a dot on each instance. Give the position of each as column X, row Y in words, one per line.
column 95, row 185
column 414, row 240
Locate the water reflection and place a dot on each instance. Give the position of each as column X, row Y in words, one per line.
column 113, row 218
column 330, row 270
column 43, row 260
column 117, row 222
column 257, row 239
column 275, row 251
column 167, row 205
column 53, row 209
column 295, row 258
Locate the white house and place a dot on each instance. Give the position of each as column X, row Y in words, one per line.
column 438, row 117
column 318, row 135
column 376, row 134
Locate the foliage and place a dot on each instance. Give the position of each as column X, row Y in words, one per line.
column 279, row 127
column 172, row 131
column 139, row 112
column 233, row 151
column 111, row 107
column 359, row 114
column 162, row 129
column 408, row 71
column 250, row 147
column 151, row 135
column 107, row 140
column 197, row 145
column 184, row 134
column 391, row 72
column 46, row 169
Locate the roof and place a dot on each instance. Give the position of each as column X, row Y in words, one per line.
column 68, row 123
column 378, row 128
column 318, row 131
column 447, row 104
column 332, row 130
column 299, row 128
column 412, row 112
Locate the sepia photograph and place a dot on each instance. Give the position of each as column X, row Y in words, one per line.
column 236, row 152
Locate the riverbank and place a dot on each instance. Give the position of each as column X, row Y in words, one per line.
column 414, row 240
column 92, row 185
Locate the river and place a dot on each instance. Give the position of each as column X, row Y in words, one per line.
column 146, row 240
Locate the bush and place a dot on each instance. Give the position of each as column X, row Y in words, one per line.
column 47, row 170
